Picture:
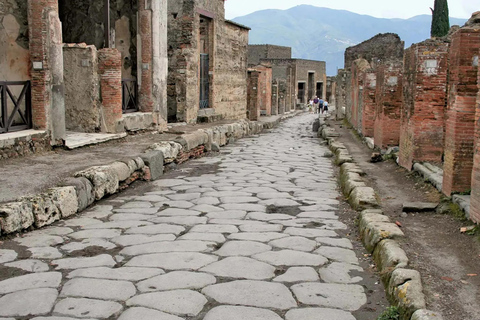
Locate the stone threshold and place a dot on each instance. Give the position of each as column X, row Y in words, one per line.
column 74, row 140
column 11, row 138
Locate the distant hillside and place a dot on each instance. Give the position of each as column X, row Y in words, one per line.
column 324, row 34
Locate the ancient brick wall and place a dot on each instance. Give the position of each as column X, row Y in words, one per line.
column 258, row 52
column 303, row 68
column 389, row 95
column 340, row 93
column 358, row 69
column 265, row 89
column 253, row 95
column 424, row 103
column 368, row 103
column 475, row 193
column 110, row 72
column 14, row 48
column 460, row 123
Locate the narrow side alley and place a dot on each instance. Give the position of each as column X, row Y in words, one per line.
column 250, row 233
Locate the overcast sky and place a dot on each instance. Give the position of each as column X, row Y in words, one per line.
column 376, row 8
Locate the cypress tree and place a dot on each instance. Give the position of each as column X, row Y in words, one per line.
column 440, row 19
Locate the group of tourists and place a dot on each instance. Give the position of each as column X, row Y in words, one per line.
column 318, row 105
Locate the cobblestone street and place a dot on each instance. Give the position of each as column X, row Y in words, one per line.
column 250, row 233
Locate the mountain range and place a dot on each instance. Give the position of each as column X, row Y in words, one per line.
column 324, row 34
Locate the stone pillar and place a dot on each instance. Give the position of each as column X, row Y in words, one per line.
column 253, row 96
column 340, row 94
column 153, row 61
column 45, row 34
column 460, row 124
column 368, row 97
column 423, row 109
column 110, row 71
column 275, row 94
column 389, row 96
column 475, row 193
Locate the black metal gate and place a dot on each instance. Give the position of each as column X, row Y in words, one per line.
column 129, row 95
column 15, row 112
column 204, row 81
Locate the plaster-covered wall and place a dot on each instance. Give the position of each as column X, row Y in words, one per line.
column 14, row 53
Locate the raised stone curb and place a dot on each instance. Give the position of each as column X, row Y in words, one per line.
column 76, row 193
column 403, row 286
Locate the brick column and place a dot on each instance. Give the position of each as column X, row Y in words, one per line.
column 110, row 71
column 145, row 66
column 423, row 109
column 38, row 23
column 253, row 96
column 475, row 193
column 368, row 110
column 389, row 101
column 459, row 130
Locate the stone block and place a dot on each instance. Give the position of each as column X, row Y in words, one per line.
column 375, row 232
column 389, row 256
column 371, row 215
column 103, row 178
column 15, row 216
column 351, row 167
column 154, row 160
column 65, row 198
column 405, row 290
column 316, row 125
column 424, row 314
column 121, row 169
column 349, row 185
column 419, row 206
column 131, row 164
column 362, row 198
column 84, row 191
column 169, row 149
column 45, row 212
column 193, row 140
column 138, row 121
column 215, row 147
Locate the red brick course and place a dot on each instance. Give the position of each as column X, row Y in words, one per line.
column 423, row 109
column 460, row 115
column 368, row 103
column 389, row 102
column 475, row 194
column 110, row 71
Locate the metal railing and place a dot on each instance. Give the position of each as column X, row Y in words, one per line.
column 129, row 95
column 15, row 112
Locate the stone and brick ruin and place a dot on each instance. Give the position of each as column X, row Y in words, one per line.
column 424, row 99
column 80, row 66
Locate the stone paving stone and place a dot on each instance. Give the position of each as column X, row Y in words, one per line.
column 54, row 318
column 206, row 200
column 179, row 212
column 242, row 248
column 138, row 313
column 240, row 313
column 95, row 233
column 31, row 281
column 257, row 236
column 294, row 243
column 103, row 260
column 317, row 208
column 206, row 208
column 178, row 302
column 134, row 239
column 187, row 221
column 339, row 272
column 44, row 253
column 136, row 204
column 118, row 225
column 268, row 216
column 124, row 273
column 260, row 294
column 209, row 237
column 318, row 215
column 232, row 193
column 83, row 307
column 184, row 196
column 130, row 217
column 7, row 255
column 244, row 206
column 39, row 241
column 176, row 280
column 318, row 313
column 338, row 254
column 181, row 204
column 291, row 258
column 173, row 260
column 298, row 274
column 215, row 228
column 349, row 297
column 29, row 265
column 227, row 214
column 157, row 229
column 168, row 182
column 261, row 227
column 310, row 233
column 80, row 222
column 280, row 202
column 236, row 200
column 235, row 222
column 27, row 303
column 167, row 246
column 273, row 195
column 98, row 289
column 137, row 210
column 151, row 198
column 240, row 268
column 54, row 231
column 341, row 243
column 74, row 246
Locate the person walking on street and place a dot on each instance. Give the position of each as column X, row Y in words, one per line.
column 325, row 107
column 315, row 104
column 320, row 105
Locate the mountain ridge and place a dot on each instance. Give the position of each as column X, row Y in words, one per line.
column 318, row 33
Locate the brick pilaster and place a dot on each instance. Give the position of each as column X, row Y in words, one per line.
column 145, row 69
column 459, row 129
column 253, row 96
column 110, row 71
column 368, row 103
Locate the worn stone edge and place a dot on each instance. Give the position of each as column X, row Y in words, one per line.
column 88, row 186
column 403, row 286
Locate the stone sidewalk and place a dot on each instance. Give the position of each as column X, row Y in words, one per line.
column 249, row 234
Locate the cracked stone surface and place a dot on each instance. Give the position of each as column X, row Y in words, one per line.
column 238, row 235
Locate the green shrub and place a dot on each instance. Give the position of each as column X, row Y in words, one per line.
column 390, row 314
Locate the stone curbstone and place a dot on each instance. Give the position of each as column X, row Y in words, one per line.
column 121, row 169
column 84, row 190
column 349, row 185
column 16, row 216
column 389, row 256
column 154, row 161
column 362, row 198
column 170, row 150
column 424, row 314
column 103, row 178
column 351, row 167
column 375, row 232
column 405, row 290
